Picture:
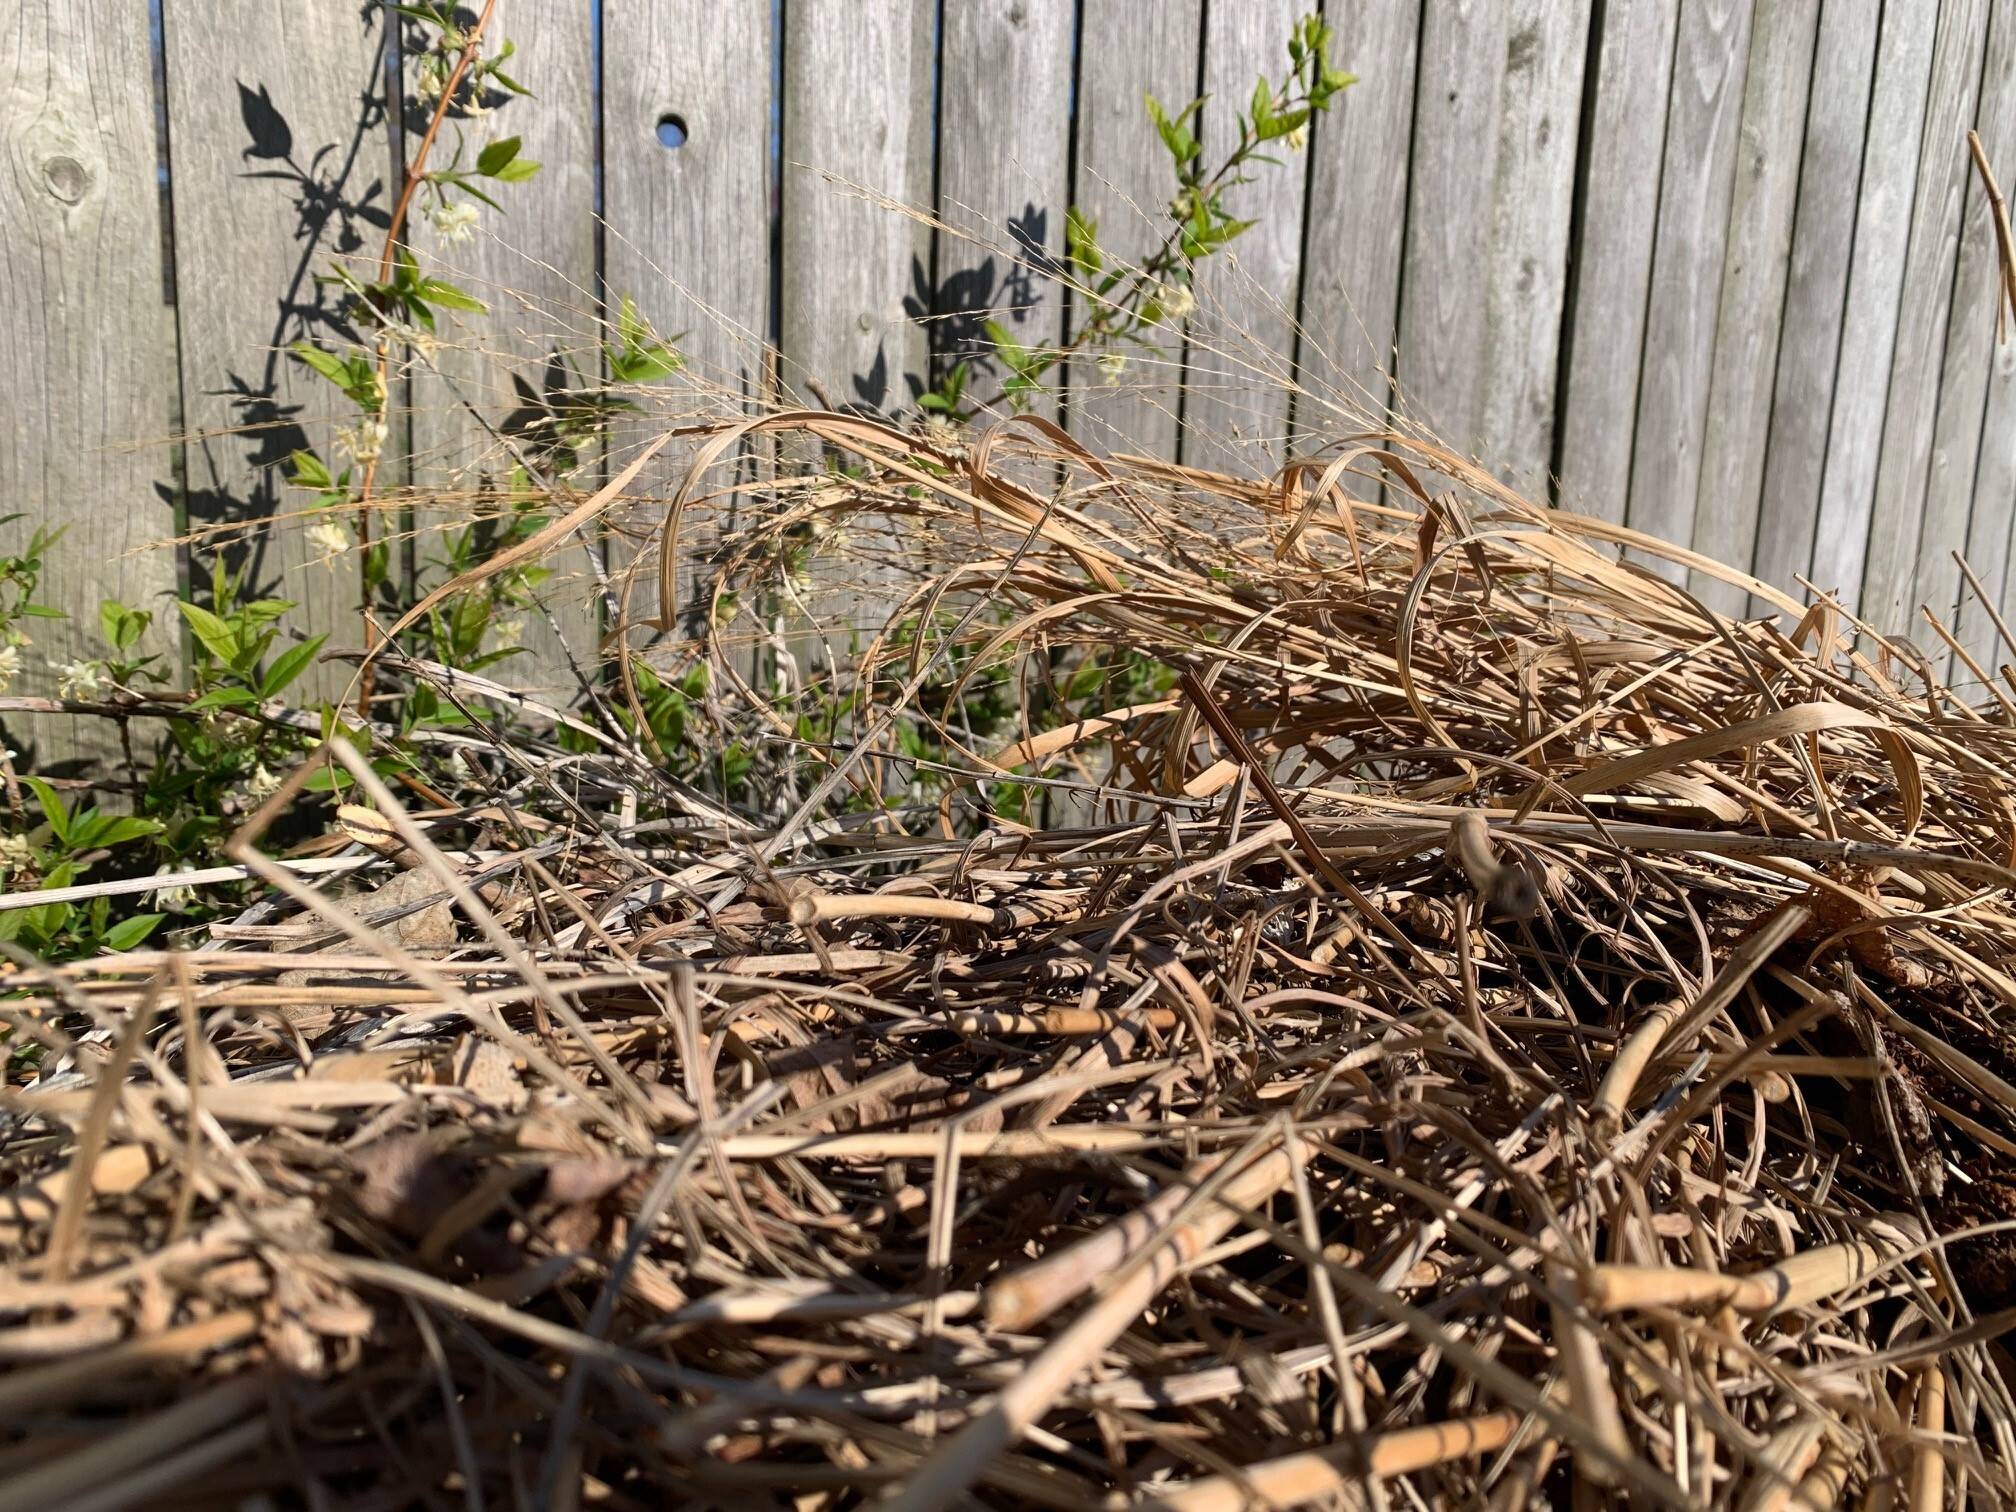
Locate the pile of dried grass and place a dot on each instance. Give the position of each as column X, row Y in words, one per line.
column 1492, row 1027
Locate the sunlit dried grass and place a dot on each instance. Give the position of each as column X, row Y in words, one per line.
column 1492, row 1025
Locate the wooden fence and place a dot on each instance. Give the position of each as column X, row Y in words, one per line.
column 1716, row 269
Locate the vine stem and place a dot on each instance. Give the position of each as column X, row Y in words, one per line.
column 416, row 174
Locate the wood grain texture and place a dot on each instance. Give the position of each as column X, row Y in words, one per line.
column 687, row 228
column 1239, row 377
column 1526, row 269
column 1816, row 292
column 535, row 266
column 1613, row 263
column 1752, row 299
column 1450, row 204
column 89, row 339
column 1123, row 180
column 857, row 90
column 1003, row 188
column 1899, row 523
column 1977, row 399
column 1357, row 224
column 1875, row 290
column 1704, row 113
column 281, row 165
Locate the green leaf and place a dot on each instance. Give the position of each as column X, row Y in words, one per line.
column 130, row 932
column 630, row 327
column 1262, row 101
column 516, row 171
column 1081, row 241
column 218, row 638
column 310, row 471
column 52, row 808
column 1012, row 353
column 327, row 364
column 40, row 611
column 441, row 292
column 289, row 665
column 225, row 698
column 123, row 828
column 1281, row 125
column 493, row 159
column 647, row 365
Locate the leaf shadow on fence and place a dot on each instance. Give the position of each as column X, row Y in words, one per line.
column 337, row 202
column 955, row 309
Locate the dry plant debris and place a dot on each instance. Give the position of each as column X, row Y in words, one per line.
column 1491, row 1031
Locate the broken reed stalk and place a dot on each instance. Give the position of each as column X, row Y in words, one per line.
column 1798, row 1281
column 1340, row 1472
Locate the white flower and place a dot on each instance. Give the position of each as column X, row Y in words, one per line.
column 330, row 535
column 457, row 767
column 15, row 852
column 176, row 898
column 1112, row 366
column 80, row 679
column 1298, row 138
column 455, row 223
column 1176, row 300
column 262, row 784
column 364, row 440
column 10, row 665
column 431, row 83
column 508, row 631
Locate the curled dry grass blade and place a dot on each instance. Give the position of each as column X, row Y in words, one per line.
column 1629, row 985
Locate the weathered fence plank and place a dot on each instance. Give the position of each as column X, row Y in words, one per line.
column 1123, row 182
column 1816, row 291
column 1449, row 204
column 1238, row 380
column 1357, row 224
column 1710, row 60
column 1974, row 444
column 535, row 266
column 1003, row 191
column 1613, row 264
column 1754, row 265
column 281, row 164
column 90, row 341
column 1889, row 590
column 686, row 90
column 1875, row 291
column 1526, row 266
column 857, row 90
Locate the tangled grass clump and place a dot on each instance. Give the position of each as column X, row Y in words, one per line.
column 1212, row 993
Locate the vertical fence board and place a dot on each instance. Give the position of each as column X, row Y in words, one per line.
column 1890, row 589
column 90, row 343
column 1443, row 295
column 1875, row 290
column 1613, row 263
column 1752, row 295
column 534, row 265
column 1002, row 188
column 1242, row 343
column 1357, row 223
column 688, row 227
column 1527, row 263
column 1124, row 180
column 857, row 106
column 1710, row 61
column 280, row 164
column 1816, row 292
column 1977, row 400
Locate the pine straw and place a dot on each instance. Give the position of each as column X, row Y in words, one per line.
column 1492, row 1025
